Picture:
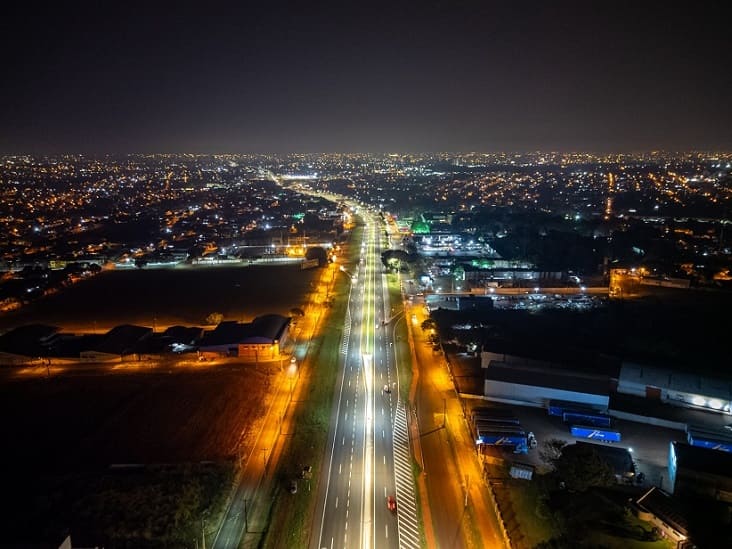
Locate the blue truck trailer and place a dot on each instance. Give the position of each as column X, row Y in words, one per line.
column 587, row 418
column 497, row 427
column 487, row 411
column 491, row 419
column 516, row 438
column 606, row 435
column 709, row 439
column 560, row 407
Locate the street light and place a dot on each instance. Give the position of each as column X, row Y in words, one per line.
column 292, row 371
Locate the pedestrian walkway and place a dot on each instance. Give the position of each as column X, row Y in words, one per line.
column 407, row 505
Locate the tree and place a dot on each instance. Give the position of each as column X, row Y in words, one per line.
column 214, row 319
column 395, row 259
column 551, row 450
column 317, row 252
column 581, row 467
column 429, row 324
column 297, row 311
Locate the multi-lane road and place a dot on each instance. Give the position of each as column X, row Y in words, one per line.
column 367, row 458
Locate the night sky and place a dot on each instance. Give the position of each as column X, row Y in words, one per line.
column 374, row 77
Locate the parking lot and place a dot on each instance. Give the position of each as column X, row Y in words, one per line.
column 648, row 444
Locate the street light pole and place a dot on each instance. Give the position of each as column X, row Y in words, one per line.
column 246, row 521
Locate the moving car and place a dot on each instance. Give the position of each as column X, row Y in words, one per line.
column 391, row 504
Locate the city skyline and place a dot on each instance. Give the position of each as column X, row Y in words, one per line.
column 400, row 78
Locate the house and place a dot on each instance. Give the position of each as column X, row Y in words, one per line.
column 661, row 510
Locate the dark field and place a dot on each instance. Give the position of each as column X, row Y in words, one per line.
column 164, row 297
column 90, row 421
column 61, row 434
column 681, row 329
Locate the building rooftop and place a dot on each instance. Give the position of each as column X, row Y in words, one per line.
column 676, row 381
column 703, row 460
column 567, row 380
column 27, row 340
column 663, row 506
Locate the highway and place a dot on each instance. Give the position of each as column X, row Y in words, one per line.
column 367, row 457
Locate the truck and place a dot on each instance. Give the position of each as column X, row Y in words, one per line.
column 499, row 420
column 606, row 435
column 560, row 407
column 497, row 427
column 586, row 418
column 709, row 439
column 516, row 438
column 487, row 411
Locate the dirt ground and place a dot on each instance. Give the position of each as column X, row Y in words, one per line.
column 164, row 297
column 89, row 421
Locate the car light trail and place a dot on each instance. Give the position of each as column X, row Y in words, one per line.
column 368, row 455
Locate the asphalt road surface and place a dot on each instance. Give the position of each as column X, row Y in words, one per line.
column 361, row 467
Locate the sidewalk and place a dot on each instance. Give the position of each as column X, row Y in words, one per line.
column 441, row 415
column 414, row 436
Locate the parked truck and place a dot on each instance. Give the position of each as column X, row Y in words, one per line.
column 709, row 439
column 606, row 435
column 516, row 438
column 586, row 418
column 487, row 411
column 560, row 407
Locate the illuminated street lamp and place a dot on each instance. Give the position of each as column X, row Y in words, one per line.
column 292, row 372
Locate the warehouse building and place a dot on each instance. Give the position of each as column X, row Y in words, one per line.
column 535, row 383
column 676, row 388
column 261, row 339
column 700, row 471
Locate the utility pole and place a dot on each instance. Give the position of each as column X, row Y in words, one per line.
column 467, row 488
column 246, row 520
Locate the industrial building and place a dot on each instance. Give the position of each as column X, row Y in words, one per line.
column 261, row 339
column 698, row 471
column 535, row 383
column 679, row 389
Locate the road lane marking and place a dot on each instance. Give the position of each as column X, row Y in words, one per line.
column 336, row 502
